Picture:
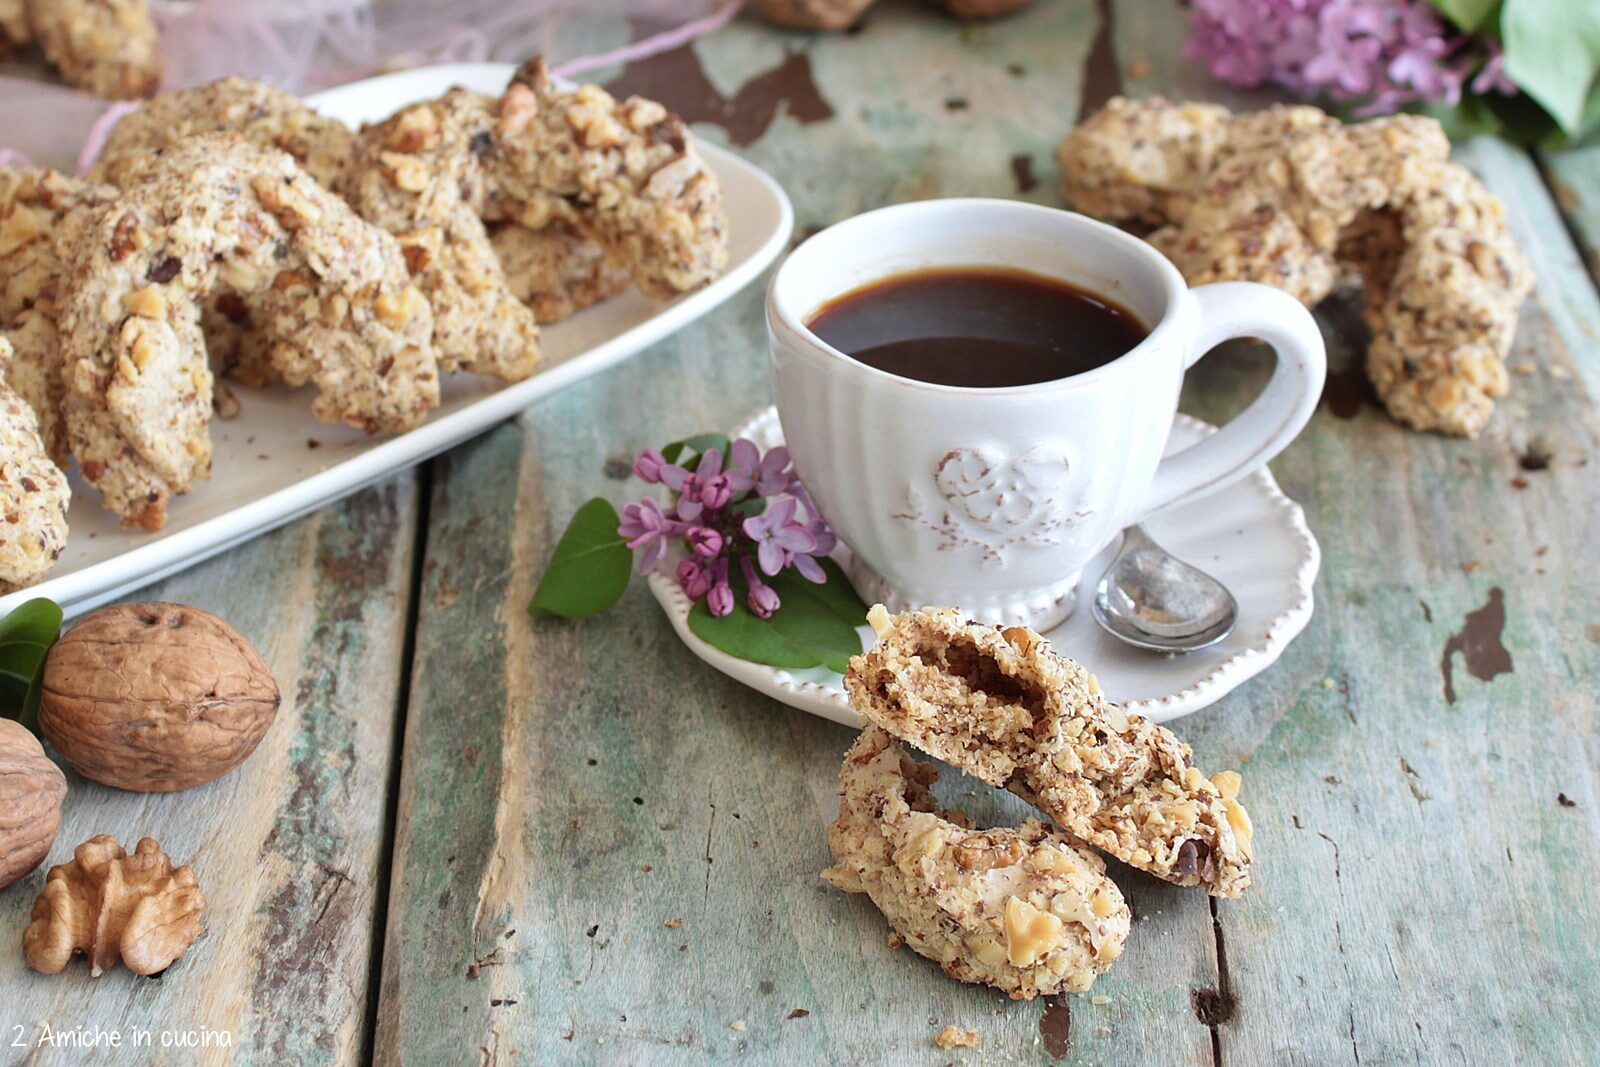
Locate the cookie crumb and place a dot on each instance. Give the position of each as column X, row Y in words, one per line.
column 955, row 1037
column 1100, row 1001
column 673, row 923
column 738, row 1024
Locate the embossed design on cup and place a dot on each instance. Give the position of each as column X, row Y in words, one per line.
column 988, row 502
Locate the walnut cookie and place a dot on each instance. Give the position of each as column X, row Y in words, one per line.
column 214, row 213
column 557, row 270
column 420, row 175
column 259, row 113
column 1022, row 909
column 626, row 173
column 1295, row 198
column 105, row 47
column 1003, row 707
column 33, row 493
column 604, row 190
column 39, row 212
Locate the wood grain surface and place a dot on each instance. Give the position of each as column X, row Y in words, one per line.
column 473, row 837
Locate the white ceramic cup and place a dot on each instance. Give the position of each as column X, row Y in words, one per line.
column 993, row 500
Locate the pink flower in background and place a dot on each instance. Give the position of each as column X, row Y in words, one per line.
column 1385, row 54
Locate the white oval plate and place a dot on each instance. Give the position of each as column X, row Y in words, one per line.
column 1249, row 536
column 274, row 462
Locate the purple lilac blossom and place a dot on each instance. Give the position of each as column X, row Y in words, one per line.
column 720, row 598
column 645, row 526
column 777, row 534
column 806, row 562
column 762, row 599
column 1387, row 53
column 749, row 510
column 648, row 467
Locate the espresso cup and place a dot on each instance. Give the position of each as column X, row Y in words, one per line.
column 993, row 500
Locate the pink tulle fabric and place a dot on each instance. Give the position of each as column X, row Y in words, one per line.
column 305, row 45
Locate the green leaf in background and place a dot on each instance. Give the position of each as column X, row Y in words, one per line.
column 1552, row 52
column 25, row 637
column 1466, row 14
column 699, row 444
column 590, row 568
column 814, row 627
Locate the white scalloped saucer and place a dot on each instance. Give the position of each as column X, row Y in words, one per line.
column 1249, row 536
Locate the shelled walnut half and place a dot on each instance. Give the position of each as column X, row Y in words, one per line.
column 110, row 906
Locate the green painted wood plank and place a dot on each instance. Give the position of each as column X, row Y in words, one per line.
column 1574, row 177
column 1424, row 893
column 287, row 847
column 530, row 890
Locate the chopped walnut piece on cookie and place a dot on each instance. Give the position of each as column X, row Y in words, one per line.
column 1022, row 909
column 1293, row 197
column 1001, row 706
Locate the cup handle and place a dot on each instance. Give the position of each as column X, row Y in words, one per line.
column 1246, row 309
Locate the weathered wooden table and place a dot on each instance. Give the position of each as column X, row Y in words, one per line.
column 469, row 835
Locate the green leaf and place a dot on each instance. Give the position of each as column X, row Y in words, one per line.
column 697, row 445
column 814, row 627
column 1466, row 14
column 590, row 568
column 25, row 637
column 1552, row 52
column 837, row 594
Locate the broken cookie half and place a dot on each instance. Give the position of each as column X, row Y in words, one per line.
column 1001, row 706
column 1023, row 909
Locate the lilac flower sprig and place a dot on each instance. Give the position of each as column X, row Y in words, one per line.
column 1527, row 69
column 752, row 555
column 1384, row 54
column 745, row 515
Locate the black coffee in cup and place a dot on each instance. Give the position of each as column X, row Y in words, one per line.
column 979, row 327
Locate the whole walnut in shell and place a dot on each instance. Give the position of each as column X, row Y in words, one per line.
column 31, row 788
column 111, row 906
column 155, row 697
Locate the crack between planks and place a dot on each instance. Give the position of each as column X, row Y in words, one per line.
column 1224, row 982
column 391, row 807
column 711, row 827
column 1338, row 939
